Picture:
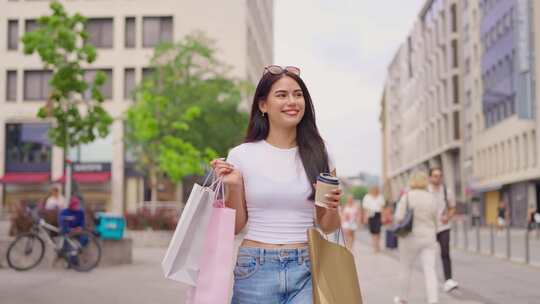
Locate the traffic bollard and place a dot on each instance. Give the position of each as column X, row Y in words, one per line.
column 478, row 238
column 465, row 236
column 508, row 243
column 527, row 247
column 491, row 240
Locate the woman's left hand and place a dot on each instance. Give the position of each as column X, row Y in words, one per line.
column 333, row 199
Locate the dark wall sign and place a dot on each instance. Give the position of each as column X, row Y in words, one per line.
column 92, row 167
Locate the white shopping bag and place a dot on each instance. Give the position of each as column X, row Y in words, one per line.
column 181, row 261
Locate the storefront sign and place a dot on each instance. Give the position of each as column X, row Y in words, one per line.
column 91, row 167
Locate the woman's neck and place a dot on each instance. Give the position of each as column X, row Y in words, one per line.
column 282, row 138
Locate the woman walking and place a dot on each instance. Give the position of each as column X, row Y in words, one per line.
column 269, row 181
column 421, row 242
column 350, row 216
column 502, row 216
column 55, row 201
column 373, row 203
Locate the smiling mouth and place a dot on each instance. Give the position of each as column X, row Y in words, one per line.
column 291, row 112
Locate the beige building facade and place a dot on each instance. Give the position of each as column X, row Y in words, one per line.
column 423, row 111
column 506, row 114
column 124, row 33
column 471, row 108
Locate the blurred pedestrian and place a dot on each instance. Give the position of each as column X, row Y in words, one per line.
column 350, row 217
column 373, row 203
column 72, row 219
column 55, row 200
column 446, row 205
column 475, row 212
column 421, row 242
column 269, row 181
column 502, row 215
column 531, row 214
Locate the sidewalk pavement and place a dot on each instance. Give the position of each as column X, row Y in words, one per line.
column 474, row 238
column 483, row 279
column 139, row 283
column 486, row 280
column 379, row 278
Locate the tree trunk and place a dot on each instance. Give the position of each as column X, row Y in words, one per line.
column 67, row 175
column 153, row 185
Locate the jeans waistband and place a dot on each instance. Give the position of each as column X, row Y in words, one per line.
column 277, row 254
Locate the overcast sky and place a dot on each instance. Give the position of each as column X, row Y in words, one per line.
column 343, row 48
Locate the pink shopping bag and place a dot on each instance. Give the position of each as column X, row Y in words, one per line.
column 217, row 260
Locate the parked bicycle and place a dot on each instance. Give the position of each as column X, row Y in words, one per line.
column 79, row 248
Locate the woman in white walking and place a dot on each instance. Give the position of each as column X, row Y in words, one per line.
column 373, row 204
column 421, row 242
column 269, row 180
column 350, row 216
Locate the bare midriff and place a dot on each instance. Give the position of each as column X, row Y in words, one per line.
column 255, row 244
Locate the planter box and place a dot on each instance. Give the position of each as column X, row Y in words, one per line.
column 116, row 252
column 149, row 238
column 4, row 243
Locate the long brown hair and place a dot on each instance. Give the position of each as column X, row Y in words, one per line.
column 311, row 146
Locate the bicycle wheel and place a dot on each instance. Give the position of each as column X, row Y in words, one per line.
column 84, row 253
column 26, row 251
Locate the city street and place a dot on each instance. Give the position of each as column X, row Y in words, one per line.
column 488, row 280
column 111, row 114
column 483, row 279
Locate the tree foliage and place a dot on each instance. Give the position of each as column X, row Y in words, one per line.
column 186, row 110
column 61, row 42
column 358, row 192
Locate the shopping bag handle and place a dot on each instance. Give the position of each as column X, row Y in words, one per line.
column 220, row 189
column 211, row 174
column 337, row 240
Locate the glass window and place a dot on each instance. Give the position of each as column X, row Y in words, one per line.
column 11, row 85
column 101, row 32
column 36, row 85
column 156, row 30
column 28, row 147
column 525, row 151
column 30, row 25
column 13, row 34
column 455, row 56
column 129, row 83
column 100, row 150
column 453, row 12
column 106, row 89
column 146, row 73
column 455, row 87
column 130, row 32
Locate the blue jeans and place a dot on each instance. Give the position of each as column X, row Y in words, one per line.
column 272, row 276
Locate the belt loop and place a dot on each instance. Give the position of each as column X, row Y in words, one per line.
column 261, row 256
column 300, row 256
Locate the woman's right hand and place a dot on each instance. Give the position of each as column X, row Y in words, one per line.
column 226, row 171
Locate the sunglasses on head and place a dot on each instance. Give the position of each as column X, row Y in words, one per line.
column 277, row 70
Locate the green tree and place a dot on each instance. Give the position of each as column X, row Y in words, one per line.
column 61, row 42
column 358, row 192
column 186, row 111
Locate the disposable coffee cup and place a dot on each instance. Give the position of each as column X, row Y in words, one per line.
column 326, row 183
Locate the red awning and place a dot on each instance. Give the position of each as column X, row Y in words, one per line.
column 88, row 177
column 25, row 178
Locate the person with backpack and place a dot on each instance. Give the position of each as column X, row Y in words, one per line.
column 446, row 206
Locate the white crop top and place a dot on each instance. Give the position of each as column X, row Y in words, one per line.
column 276, row 190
